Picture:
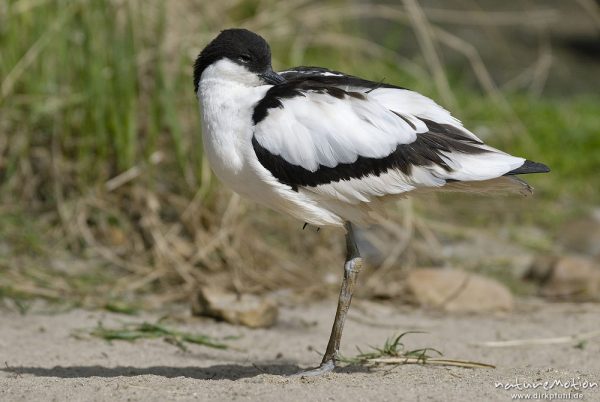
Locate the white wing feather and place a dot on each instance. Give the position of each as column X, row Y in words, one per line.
column 319, row 129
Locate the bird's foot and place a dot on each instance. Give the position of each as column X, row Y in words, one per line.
column 324, row 368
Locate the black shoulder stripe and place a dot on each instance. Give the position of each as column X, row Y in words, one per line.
column 294, row 88
column 272, row 99
column 302, row 79
column 325, row 77
column 426, row 150
column 307, row 70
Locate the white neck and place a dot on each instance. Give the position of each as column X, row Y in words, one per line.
column 227, row 102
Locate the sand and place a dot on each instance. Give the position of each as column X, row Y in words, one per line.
column 42, row 360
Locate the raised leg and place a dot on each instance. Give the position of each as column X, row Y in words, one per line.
column 352, row 268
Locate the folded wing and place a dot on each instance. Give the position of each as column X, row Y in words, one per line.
column 351, row 139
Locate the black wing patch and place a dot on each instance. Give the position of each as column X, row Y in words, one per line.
column 426, row 150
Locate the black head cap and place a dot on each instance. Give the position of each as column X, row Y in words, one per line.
column 240, row 46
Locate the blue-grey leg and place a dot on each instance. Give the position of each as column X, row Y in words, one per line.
column 352, row 268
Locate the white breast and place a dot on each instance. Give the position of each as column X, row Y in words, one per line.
column 226, row 108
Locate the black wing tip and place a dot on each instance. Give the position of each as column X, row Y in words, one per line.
column 529, row 167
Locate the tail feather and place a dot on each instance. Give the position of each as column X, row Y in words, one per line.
column 529, row 167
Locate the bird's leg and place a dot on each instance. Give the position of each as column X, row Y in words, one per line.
column 352, row 268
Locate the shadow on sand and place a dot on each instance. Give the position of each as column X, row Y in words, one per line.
column 216, row 372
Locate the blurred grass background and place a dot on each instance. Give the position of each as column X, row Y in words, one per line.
column 105, row 193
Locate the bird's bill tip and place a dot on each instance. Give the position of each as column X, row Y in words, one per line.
column 271, row 77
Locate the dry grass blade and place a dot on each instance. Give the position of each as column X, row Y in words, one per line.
column 593, row 10
column 394, row 352
column 132, row 173
column 542, row 17
column 577, row 338
column 432, row 360
column 425, row 37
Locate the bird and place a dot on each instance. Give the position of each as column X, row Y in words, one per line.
column 328, row 148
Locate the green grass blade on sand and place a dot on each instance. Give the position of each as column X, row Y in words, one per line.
column 146, row 330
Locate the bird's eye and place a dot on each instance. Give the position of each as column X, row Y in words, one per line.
column 245, row 58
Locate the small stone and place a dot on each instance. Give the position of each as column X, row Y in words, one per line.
column 457, row 291
column 246, row 309
column 567, row 277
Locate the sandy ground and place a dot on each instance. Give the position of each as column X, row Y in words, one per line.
column 42, row 361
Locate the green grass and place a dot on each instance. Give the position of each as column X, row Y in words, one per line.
column 88, row 80
column 394, row 352
column 392, row 347
column 145, row 330
column 121, row 308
